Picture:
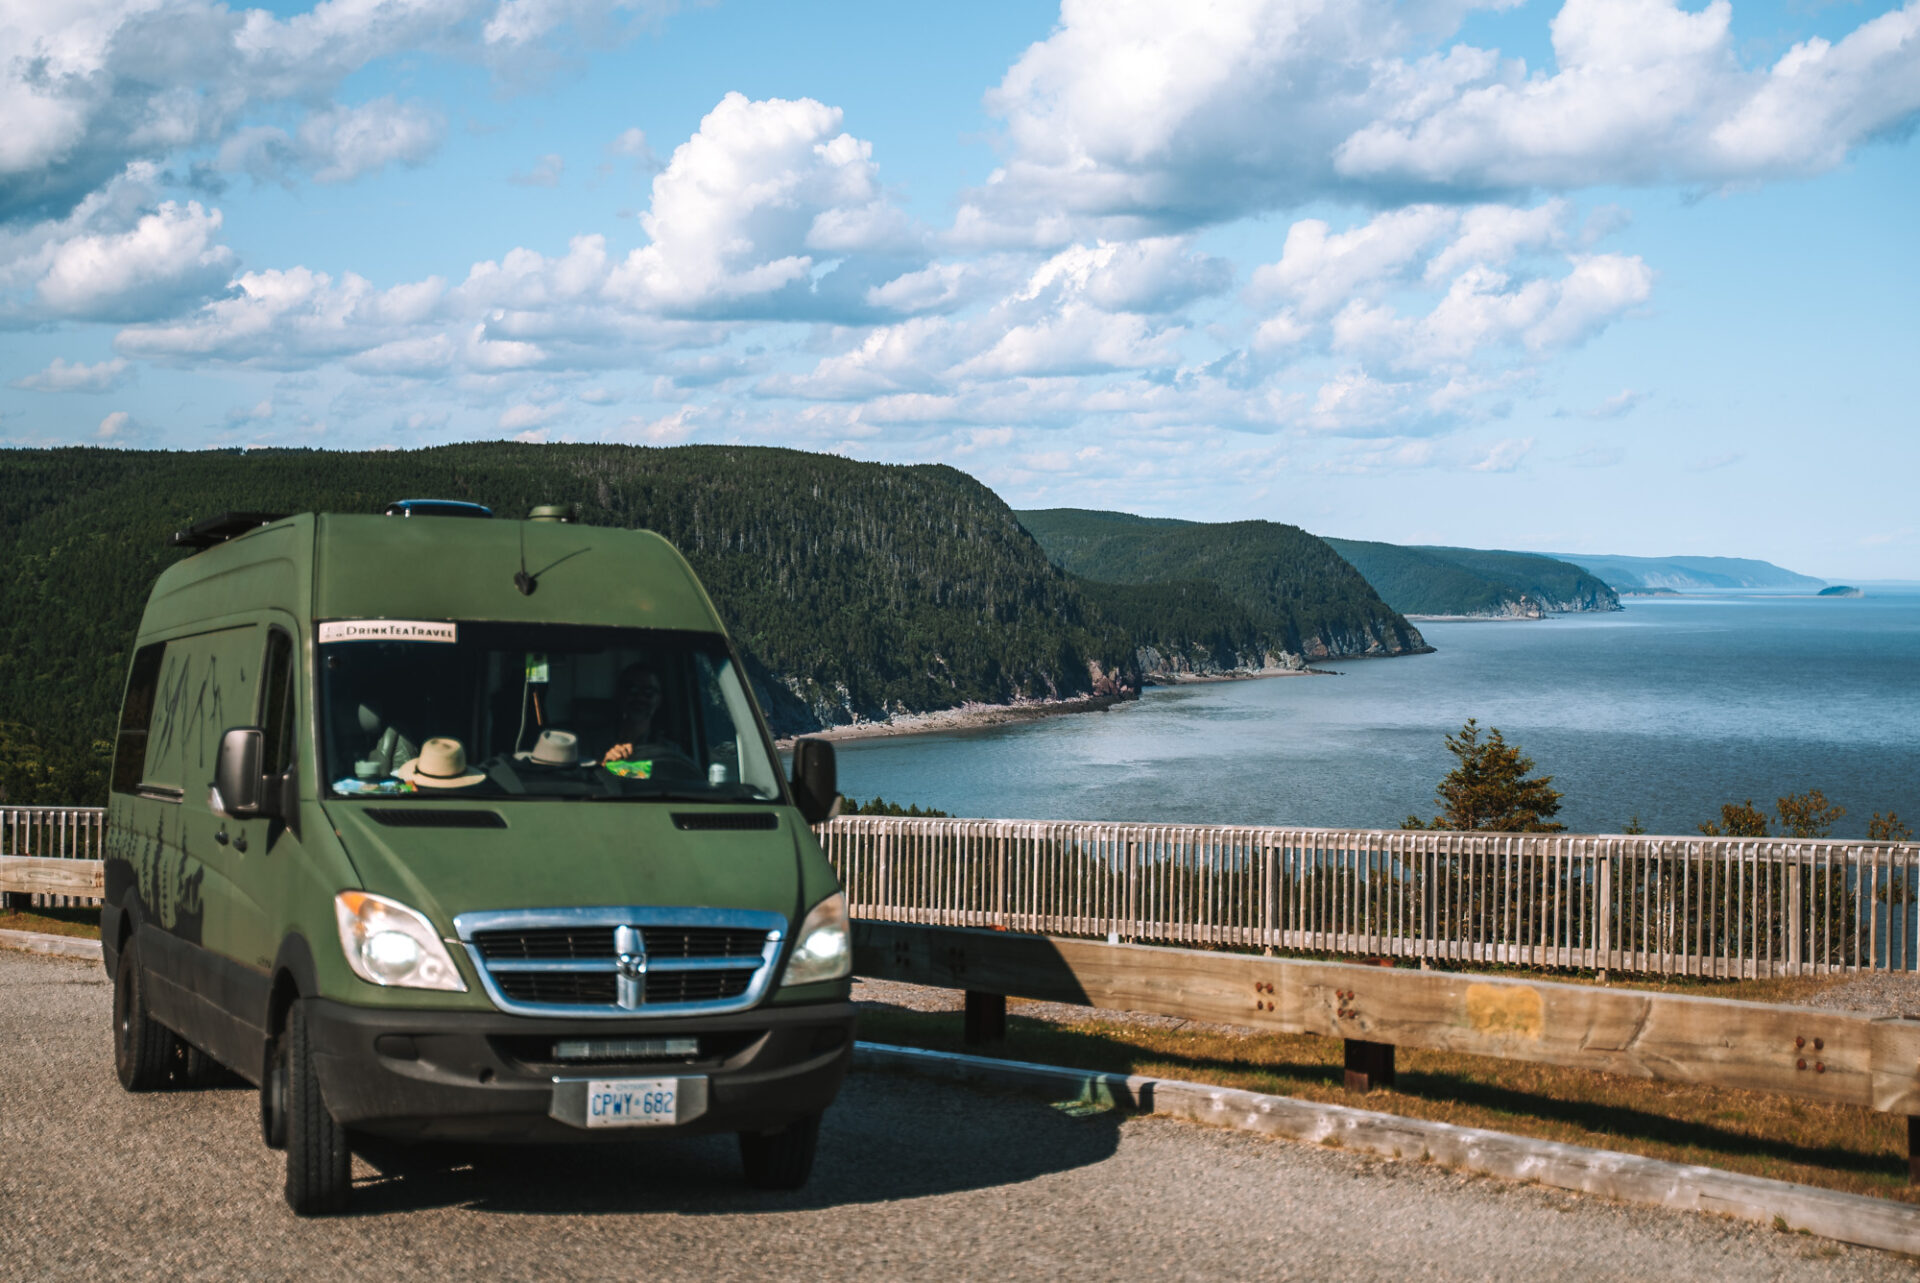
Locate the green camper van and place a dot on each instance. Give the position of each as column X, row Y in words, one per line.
column 440, row 826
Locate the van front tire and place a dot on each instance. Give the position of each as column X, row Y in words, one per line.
column 143, row 1048
column 319, row 1163
column 782, row 1159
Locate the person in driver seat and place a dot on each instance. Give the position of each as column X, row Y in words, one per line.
column 637, row 697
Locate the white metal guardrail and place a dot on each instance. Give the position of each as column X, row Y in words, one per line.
column 1728, row 907
column 1659, row 905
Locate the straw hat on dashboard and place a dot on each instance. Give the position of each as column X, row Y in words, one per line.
column 442, row 764
column 553, row 748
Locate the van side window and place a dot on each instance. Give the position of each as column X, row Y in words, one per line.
column 276, row 712
column 136, row 715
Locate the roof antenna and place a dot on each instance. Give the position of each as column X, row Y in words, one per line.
column 521, row 579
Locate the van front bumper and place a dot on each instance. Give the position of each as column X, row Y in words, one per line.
column 486, row 1076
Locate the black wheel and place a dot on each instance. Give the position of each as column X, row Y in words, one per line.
column 319, row 1164
column 143, row 1048
column 782, row 1159
column 273, row 1096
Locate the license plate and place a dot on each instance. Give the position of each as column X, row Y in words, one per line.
column 633, row 1102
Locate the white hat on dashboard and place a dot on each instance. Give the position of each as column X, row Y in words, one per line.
column 442, row 764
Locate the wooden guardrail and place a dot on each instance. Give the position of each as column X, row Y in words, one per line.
column 1815, row 1053
column 1723, row 907
column 46, row 851
column 32, row 875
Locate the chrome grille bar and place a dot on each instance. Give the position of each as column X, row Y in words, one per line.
column 735, row 953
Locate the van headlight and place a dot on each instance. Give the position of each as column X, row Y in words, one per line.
column 824, row 948
column 387, row 943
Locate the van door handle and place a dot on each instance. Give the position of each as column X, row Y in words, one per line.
column 240, row 840
column 221, row 836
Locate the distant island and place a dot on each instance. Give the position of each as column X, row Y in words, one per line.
column 1840, row 590
column 1471, row 583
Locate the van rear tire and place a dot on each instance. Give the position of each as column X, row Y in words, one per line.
column 782, row 1159
column 143, row 1048
column 319, row 1162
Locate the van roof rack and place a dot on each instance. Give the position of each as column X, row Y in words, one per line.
column 437, row 508
column 208, row 531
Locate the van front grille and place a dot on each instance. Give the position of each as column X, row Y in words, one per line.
column 632, row 962
column 580, row 943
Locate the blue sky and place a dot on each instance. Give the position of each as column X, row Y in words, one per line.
column 1625, row 276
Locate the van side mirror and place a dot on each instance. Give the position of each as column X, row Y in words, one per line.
column 816, row 780
column 240, row 788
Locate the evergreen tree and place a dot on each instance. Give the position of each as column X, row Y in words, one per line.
column 1490, row 789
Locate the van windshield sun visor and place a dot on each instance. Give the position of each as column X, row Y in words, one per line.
column 474, row 710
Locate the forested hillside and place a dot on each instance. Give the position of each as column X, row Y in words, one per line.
column 1471, row 581
column 1244, row 594
column 853, row 588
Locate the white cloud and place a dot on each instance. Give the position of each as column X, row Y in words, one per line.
column 1620, row 403
column 1156, row 274
column 1358, row 284
column 91, row 86
column 670, row 429
column 168, row 257
column 114, row 427
column 1320, row 271
column 259, row 412
column 518, row 418
column 65, row 376
column 336, row 144
column 545, row 172
column 1503, row 456
column 632, row 142
column 1077, row 339
column 341, row 143
column 1646, row 92
column 747, row 208
column 288, row 319
column 1136, row 116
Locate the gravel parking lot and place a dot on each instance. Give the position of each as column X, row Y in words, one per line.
column 916, row 1180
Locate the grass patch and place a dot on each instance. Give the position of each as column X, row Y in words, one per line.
column 1836, row 1147
column 53, row 922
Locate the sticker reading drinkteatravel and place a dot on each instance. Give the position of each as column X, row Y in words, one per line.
column 404, row 630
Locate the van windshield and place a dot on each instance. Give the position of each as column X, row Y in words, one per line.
column 438, row 709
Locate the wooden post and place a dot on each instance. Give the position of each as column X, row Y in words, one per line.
column 986, row 1018
column 1369, row 1064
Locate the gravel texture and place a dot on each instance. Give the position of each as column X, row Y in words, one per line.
column 1876, row 992
column 916, row 1180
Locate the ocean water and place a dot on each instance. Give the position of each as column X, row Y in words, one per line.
column 1664, row 710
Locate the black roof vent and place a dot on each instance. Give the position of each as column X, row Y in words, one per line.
column 437, row 508
column 209, row 531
